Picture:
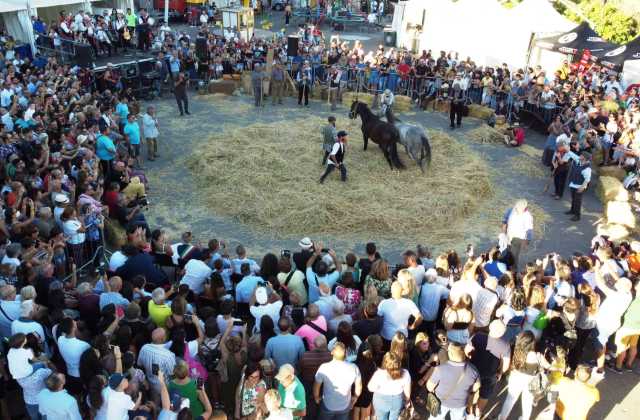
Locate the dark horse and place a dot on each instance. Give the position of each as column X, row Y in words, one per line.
column 386, row 135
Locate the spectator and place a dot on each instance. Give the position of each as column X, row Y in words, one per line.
column 395, row 313
column 285, row 347
column 336, row 378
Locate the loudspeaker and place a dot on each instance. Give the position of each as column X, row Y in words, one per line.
column 292, row 46
column 201, row 48
column 84, row 55
column 390, row 38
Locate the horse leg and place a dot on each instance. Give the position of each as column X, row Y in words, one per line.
column 387, row 155
column 365, row 138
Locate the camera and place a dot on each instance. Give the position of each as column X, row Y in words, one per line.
column 140, row 201
column 238, row 323
column 325, row 250
column 285, row 253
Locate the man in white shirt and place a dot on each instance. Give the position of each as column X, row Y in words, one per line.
column 150, row 132
column 264, row 307
column 195, row 275
column 395, row 313
column 485, row 302
column 337, row 378
column 416, row 270
column 336, row 157
column 116, row 404
column 579, row 179
column 71, row 350
column 517, row 224
column 26, row 325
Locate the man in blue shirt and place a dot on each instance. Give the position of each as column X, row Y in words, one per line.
column 132, row 133
column 122, row 110
column 106, row 151
column 54, row 402
column 285, row 347
column 246, row 286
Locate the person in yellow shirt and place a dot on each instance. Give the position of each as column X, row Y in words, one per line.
column 159, row 311
column 576, row 396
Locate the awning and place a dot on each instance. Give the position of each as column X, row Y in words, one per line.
column 615, row 58
column 580, row 38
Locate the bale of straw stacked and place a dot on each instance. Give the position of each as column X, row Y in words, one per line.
column 620, row 213
column 612, row 171
column 611, row 189
column 402, row 103
column 613, row 231
column 480, row 112
column 349, row 97
column 245, row 80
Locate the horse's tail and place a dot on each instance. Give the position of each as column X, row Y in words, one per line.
column 395, row 158
column 426, row 150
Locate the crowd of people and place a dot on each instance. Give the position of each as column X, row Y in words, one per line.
column 172, row 329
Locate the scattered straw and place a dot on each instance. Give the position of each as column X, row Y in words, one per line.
column 266, row 175
column 530, row 151
column 485, row 134
column 529, row 167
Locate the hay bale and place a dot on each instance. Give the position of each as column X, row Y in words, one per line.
column 501, row 120
column 114, row 233
column 612, row 171
column 480, row 112
column 245, row 80
column 235, row 76
column 485, row 134
column 613, row 231
column 620, row 213
column 532, row 168
column 349, row 97
column 234, row 181
column 611, row 189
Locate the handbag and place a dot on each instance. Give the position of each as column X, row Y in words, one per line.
column 433, row 404
column 539, row 386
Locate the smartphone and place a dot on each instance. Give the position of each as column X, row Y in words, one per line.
column 200, row 382
column 188, row 317
column 155, row 369
column 285, row 253
column 238, row 323
column 325, row 250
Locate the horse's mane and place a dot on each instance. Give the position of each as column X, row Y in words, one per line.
column 366, row 110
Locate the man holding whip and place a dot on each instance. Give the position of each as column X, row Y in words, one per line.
column 336, row 158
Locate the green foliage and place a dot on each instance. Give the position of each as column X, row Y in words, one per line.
column 611, row 23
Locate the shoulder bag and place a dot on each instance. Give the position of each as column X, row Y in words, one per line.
column 433, row 403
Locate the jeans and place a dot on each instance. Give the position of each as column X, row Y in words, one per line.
column 326, row 414
column 516, row 249
column 454, row 413
column 32, row 411
column 183, row 103
column 518, row 386
column 387, row 407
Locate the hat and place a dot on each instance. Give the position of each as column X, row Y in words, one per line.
column 81, row 138
column 115, row 380
column 284, row 372
column 420, row 337
column 61, row 199
column 497, row 328
column 305, row 243
column 261, row 295
column 342, row 133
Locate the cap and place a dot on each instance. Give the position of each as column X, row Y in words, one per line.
column 81, row 138
column 305, row 243
column 261, row 295
column 284, row 372
column 342, row 133
column 497, row 328
column 115, row 380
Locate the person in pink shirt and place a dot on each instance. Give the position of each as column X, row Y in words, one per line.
column 314, row 326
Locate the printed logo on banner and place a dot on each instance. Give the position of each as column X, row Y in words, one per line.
column 636, row 55
column 567, row 50
column 595, row 39
column 570, row 37
column 617, row 51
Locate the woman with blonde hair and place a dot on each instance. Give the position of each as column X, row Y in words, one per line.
column 400, row 347
column 442, row 263
column 535, row 313
column 408, row 283
column 188, row 388
column 586, row 321
column 457, row 319
column 272, row 403
column 391, row 387
column 380, row 278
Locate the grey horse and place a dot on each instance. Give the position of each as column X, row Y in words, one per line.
column 414, row 139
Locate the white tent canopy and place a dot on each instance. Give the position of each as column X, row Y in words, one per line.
column 481, row 29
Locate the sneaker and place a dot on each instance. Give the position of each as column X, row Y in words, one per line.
column 615, row 369
column 628, row 368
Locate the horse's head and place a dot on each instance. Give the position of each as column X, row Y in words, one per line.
column 354, row 110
